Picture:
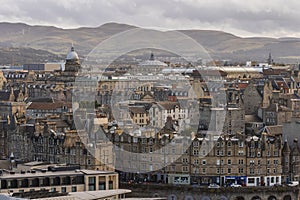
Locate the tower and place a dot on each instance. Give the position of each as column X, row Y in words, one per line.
column 72, row 62
column 286, row 151
column 270, row 60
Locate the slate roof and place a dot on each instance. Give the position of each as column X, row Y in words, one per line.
column 48, row 105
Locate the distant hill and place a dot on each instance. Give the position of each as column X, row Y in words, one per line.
column 38, row 43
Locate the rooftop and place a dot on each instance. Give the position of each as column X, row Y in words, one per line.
column 91, row 195
column 54, row 173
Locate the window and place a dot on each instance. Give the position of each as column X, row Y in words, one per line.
column 203, row 153
column 184, row 168
column 135, row 140
column 251, row 180
column 229, row 170
column 241, row 152
column 218, row 162
column 286, row 159
column 229, row 153
column 272, row 179
column 196, row 143
column 203, row 171
column 229, row 162
column 221, row 153
column 241, row 170
column 241, row 161
column 150, row 149
column 241, row 143
column 74, row 189
column 184, row 160
column 63, row 189
column 203, row 162
column 196, row 152
column 92, row 183
column 218, row 170
column 251, row 170
column 229, row 144
column 196, row 161
column 110, row 185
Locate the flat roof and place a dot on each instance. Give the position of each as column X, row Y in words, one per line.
column 90, row 195
column 55, row 173
column 95, row 172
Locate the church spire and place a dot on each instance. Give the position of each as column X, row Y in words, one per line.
column 72, row 47
column 12, row 95
column 151, row 56
column 270, row 60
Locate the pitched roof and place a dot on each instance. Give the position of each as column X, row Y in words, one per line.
column 48, row 105
column 274, row 130
column 5, row 94
column 168, row 105
column 137, row 109
column 286, row 147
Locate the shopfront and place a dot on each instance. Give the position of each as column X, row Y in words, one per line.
column 241, row 180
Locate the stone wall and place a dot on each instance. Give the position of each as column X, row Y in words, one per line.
column 193, row 193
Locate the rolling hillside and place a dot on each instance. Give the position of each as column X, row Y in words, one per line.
column 42, row 43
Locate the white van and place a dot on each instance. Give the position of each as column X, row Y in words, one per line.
column 293, row 183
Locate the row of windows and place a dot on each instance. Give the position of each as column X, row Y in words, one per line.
column 218, row 170
column 229, row 162
column 229, row 144
column 252, row 171
column 229, row 170
column 63, row 189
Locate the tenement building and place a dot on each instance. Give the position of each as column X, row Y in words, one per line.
column 173, row 132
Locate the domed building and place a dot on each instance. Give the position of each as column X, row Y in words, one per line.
column 72, row 62
column 151, row 66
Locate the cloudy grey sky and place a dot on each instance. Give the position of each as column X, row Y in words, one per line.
column 276, row 18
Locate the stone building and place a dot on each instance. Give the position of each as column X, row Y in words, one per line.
column 3, row 80
column 252, row 99
column 57, row 180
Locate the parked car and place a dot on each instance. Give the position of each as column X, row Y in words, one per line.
column 235, row 185
column 213, row 185
column 293, row 183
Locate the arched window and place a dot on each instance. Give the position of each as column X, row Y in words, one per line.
column 287, row 197
column 272, row 198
